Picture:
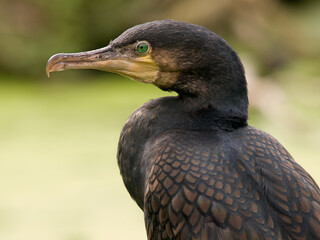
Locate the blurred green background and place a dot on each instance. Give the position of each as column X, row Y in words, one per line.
column 58, row 137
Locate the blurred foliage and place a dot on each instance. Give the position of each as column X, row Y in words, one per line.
column 273, row 32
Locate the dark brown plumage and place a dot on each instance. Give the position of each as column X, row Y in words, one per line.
column 198, row 191
column 191, row 162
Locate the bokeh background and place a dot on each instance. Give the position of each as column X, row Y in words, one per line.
column 58, row 137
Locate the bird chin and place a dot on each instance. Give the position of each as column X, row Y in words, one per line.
column 146, row 77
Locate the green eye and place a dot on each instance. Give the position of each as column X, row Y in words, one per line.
column 142, row 47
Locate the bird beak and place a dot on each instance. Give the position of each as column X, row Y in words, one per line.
column 141, row 68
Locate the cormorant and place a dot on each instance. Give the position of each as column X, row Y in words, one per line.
column 191, row 162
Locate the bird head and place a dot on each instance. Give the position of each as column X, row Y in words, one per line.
column 174, row 56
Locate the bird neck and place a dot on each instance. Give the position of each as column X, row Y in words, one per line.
column 215, row 99
column 208, row 114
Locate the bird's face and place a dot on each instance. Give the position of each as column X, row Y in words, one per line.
column 154, row 53
column 185, row 58
column 132, row 60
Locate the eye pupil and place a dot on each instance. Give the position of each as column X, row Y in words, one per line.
column 142, row 47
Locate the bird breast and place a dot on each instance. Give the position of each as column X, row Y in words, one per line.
column 138, row 128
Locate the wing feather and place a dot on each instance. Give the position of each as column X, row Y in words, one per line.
column 241, row 186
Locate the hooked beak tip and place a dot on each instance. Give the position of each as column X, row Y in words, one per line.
column 48, row 72
column 51, row 63
column 55, row 63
